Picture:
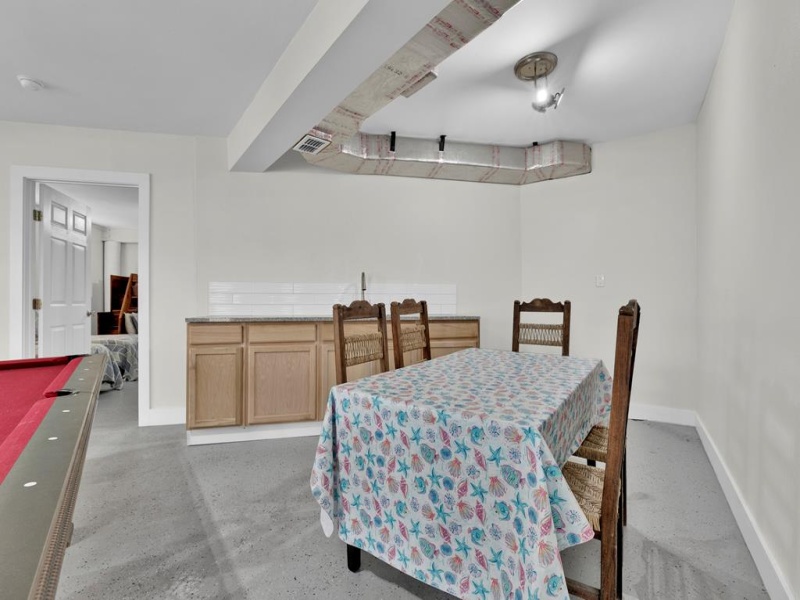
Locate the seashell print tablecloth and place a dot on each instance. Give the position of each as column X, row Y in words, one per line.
column 449, row 470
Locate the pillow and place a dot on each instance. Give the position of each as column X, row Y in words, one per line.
column 135, row 320
column 131, row 322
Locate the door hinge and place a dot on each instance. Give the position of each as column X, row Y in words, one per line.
column 37, row 215
column 37, row 304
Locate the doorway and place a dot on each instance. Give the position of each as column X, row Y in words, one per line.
column 24, row 184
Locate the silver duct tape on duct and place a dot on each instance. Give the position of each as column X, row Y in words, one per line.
column 368, row 154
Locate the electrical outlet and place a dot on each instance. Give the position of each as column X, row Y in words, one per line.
column 600, row 281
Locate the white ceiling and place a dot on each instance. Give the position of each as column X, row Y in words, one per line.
column 187, row 67
column 112, row 206
column 176, row 66
column 629, row 67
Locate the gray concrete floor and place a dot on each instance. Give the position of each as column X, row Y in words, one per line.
column 157, row 519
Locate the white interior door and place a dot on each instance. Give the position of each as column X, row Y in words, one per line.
column 65, row 277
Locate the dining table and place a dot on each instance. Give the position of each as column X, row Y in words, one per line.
column 450, row 469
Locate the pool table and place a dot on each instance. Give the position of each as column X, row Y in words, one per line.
column 46, row 411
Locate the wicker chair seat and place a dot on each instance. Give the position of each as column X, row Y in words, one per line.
column 587, row 484
column 595, row 446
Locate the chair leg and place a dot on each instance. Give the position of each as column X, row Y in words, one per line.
column 624, row 511
column 620, row 552
column 353, row 558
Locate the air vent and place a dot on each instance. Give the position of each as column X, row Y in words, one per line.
column 419, row 84
column 311, row 144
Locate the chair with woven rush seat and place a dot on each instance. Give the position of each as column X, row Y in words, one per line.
column 408, row 337
column 598, row 490
column 359, row 348
column 595, row 447
column 541, row 334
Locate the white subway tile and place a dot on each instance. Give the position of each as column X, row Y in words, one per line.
column 324, row 288
column 271, row 298
column 217, row 298
column 272, row 288
column 331, row 299
column 232, row 287
column 388, row 288
column 230, row 310
column 432, row 288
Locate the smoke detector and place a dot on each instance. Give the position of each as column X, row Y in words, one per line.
column 313, row 143
column 29, row 84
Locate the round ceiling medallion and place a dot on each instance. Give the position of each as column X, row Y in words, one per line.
column 535, row 65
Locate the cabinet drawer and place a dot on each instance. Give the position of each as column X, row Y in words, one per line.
column 454, row 329
column 281, row 332
column 215, row 333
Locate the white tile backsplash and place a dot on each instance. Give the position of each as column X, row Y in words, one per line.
column 230, row 287
column 260, row 287
column 267, row 299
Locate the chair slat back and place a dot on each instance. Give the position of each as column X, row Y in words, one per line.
column 359, row 348
column 411, row 336
column 538, row 333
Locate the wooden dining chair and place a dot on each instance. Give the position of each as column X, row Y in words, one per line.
column 595, row 447
column 598, row 490
column 407, row 337
column 541, row 334
column 359, row 348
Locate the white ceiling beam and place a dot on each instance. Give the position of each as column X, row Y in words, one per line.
column 340, row 44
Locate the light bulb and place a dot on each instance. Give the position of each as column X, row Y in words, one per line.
column 541, row 96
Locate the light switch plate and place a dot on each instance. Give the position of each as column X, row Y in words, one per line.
column 600, row 281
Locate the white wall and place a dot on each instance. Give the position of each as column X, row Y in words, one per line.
column 633, row 221
column 129, row 259
column 302, row 223
column 98, row 290
column 749, row 248
column 170, row 160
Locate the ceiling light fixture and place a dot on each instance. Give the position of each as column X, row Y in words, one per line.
column 536, row 67
column 31, row 85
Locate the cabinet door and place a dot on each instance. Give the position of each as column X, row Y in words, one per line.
column 327, row 374
column 214, row 388
column 281, row 384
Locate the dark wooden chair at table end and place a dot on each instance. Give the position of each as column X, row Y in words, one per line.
column 414, row 336
column 541, row 334
column 595, row 447
column 598, row 490
column 358, row 349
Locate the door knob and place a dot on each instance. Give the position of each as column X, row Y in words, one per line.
column 89, row 313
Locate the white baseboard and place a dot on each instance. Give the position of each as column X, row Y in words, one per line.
column 774, row 580
column 222, row 435
column 162, row 416
column 663, row 414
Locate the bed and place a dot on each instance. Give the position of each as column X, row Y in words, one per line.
column 123, row 357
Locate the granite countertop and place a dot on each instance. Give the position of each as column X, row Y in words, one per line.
column 310, row 318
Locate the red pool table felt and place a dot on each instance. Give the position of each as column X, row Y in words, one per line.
column 28, row 389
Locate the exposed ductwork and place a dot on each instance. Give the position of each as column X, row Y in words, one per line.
column 405, row 72
column 412, row 157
